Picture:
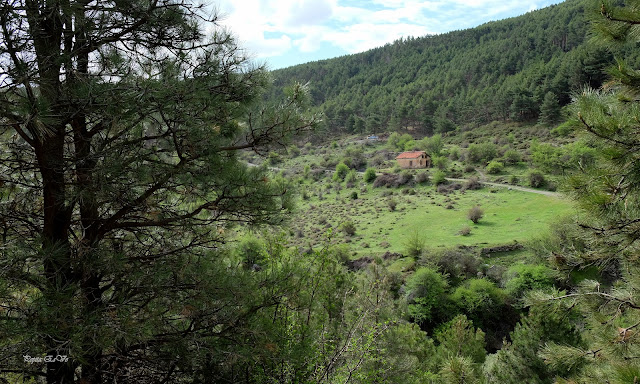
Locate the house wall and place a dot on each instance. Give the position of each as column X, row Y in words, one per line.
column 414, row 163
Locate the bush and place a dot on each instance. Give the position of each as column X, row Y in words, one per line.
column 482, row 153
column 426, row 296
column 392, row 203
column 511, row 156
column 251, row 250
column 495, row 167
column 440, row 162
column 369, row 175
column 473, row 183
column 422, row 177
column 354, row 195
column 415, row 244
column 341, row 172
column 439, row 177
column 348, row 228
column 352, row 177
column 389, row 180
column 536, row 179
column 465, row 231
column 475, row 214
column 523, row 277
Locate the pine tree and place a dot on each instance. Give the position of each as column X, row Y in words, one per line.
column 609, row 191
column 549, row 109
column 120, row 125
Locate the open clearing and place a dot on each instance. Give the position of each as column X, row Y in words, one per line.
column 509, row 215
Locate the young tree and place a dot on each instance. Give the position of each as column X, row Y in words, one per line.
column 120, row 124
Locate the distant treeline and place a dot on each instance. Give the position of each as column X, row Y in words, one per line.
column 523, row 68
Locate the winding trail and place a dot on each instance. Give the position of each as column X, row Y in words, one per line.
column 513, row 187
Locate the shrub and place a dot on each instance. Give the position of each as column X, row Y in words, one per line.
column 482, row 153
column 415, row 244
column 274, row 158
column 536, row 179
column 511, row 156
column 439, row 177
column 523, row 277
column 473, row 183
column 440, row 162
column 495, row 167
column 352, row 177
column 392, row 203
column 426, row 296
column 369, row 175
column 475, row 214
column 251, row 250
column 390, row 180
column 465, row 231
column 354, row 195
column 348, row 228
column 341, row 172
column 422, row 177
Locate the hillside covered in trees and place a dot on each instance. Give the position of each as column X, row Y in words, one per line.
column 524, row 68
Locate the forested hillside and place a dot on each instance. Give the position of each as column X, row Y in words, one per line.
column 524, row 68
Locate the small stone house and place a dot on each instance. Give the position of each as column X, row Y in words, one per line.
column 414, row 159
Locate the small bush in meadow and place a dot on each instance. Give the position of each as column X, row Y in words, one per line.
column 349, row 228
column 465, row 231
column 439, row 177
column 475, row 214
column 369, row 175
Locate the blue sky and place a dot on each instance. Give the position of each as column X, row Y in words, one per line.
column 282, row 33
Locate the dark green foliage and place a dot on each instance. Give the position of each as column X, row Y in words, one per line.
column 459, row 338
column 511, row 156
column 519, row 361
column 354, row 195
column 549, row 109
column 251, row 250
column 426, row 297
column 500, row 70
column 608, row 191
column 122, row 126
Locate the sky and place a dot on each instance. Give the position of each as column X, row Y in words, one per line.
column 283, row 33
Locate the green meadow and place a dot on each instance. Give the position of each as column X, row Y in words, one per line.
column 438, row 219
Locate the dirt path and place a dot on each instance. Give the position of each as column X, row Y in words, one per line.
column 513, row 187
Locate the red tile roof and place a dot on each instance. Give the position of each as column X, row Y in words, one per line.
column 411, row 155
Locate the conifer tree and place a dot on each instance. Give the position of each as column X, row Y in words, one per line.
column 609, row 191
column 120, row 124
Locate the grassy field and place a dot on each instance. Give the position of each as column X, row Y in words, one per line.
column 438, row 219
